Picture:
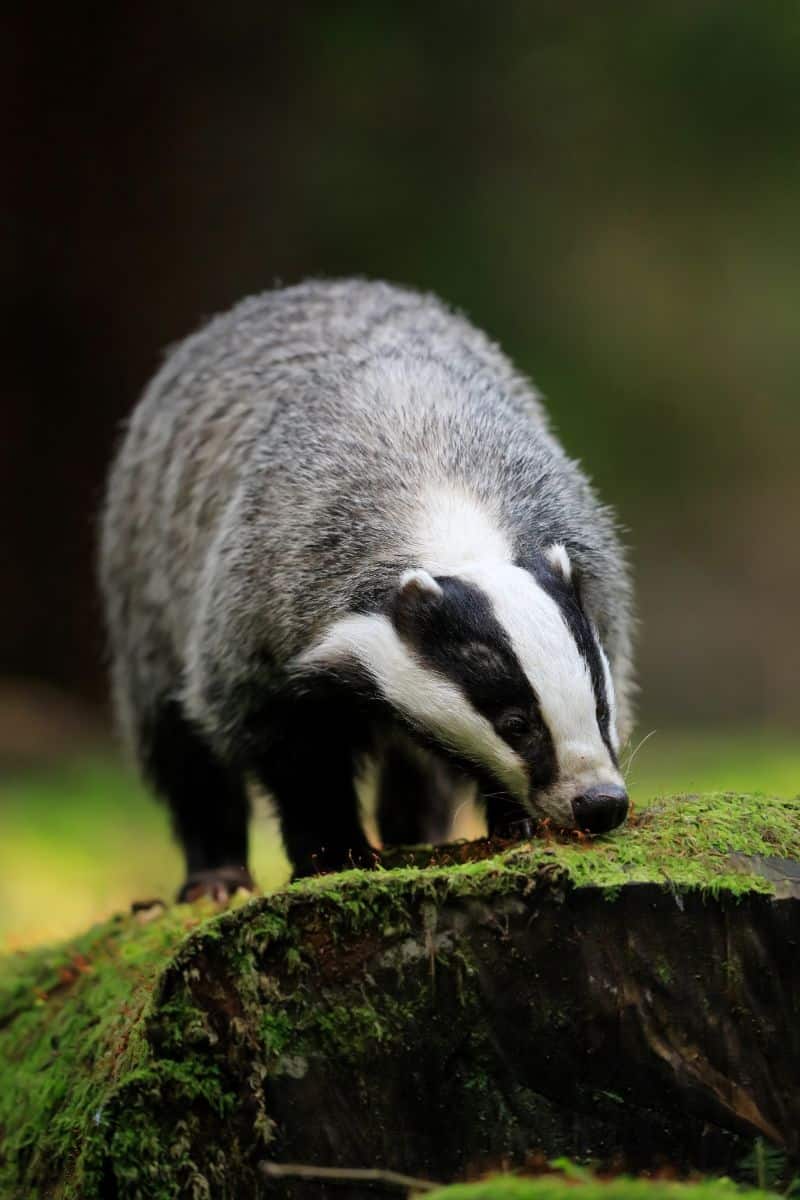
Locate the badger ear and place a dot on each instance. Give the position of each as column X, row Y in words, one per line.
column 418, row 593
column 559, row 560
column 417, row 584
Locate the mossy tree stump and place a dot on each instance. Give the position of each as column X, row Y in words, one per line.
column 634, row 998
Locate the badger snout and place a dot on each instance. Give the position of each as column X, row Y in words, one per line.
column 600, row 808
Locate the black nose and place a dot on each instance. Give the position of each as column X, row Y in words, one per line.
column 600, row 808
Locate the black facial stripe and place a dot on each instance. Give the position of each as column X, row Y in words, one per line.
column 567, row 598
column 458, row 636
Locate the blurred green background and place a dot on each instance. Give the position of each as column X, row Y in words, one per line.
column 612, row 191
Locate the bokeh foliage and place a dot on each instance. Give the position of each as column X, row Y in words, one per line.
column 612, row 190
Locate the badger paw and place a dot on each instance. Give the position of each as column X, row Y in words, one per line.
column 220, row 884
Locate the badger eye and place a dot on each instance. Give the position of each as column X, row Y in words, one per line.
column 512, row 724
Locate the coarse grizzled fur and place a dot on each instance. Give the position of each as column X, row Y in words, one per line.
column 271, row 481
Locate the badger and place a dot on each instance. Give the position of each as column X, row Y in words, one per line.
column 339, row 530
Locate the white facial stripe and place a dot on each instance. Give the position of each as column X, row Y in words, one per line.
column 558, row 673
column 610, row 695
column 428, row 699
column 454, row 528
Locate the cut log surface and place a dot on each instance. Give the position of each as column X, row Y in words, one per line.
column 635, row 999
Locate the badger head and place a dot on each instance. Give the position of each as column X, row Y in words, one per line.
column 499, row 665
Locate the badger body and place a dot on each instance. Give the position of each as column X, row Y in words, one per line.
column 339, row 527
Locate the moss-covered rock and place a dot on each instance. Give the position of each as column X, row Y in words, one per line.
column 636, row 996
column 572, row 1187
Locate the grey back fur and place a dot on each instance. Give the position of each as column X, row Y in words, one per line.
column 265, row 484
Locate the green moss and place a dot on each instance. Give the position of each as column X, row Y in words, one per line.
column 276, row 1031
column 579, row 1185
column 71, row 1021
column 683, row 841
column 100, row 1035
column 664, row 972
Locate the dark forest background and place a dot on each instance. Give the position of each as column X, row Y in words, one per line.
column 612, row 190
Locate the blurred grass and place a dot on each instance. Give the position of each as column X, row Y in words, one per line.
column 83, row 841
column 714, row 761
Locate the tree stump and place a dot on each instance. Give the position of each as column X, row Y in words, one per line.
column 634, row 998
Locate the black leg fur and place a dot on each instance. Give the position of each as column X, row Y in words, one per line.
column 311, row 781
column 415, row 797
column 208, row 802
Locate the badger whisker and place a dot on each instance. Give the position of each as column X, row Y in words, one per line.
column 457, row 811
column 635, row 751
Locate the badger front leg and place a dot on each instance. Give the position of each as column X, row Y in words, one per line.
column 318, row 812
column 311, row 779
column 208, row 802
column 417, row 793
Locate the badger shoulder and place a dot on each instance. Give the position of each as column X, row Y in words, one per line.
column 298, row 332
